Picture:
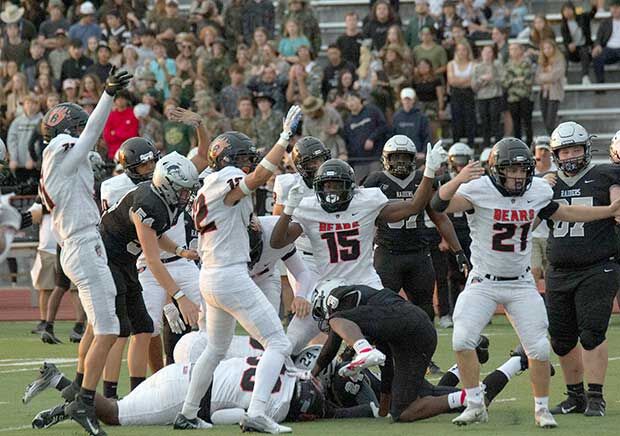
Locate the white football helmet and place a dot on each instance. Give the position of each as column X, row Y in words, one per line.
column 484, row 156
column 614, row 148
column 319, row 299
column 459, row 155
column 175, row 179
column 399, row 156
column 569, row 134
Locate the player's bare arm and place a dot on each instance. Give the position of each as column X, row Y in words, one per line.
column 445, row 228
column 167, row 244
column 328, row 352
column 269, row 164
column 304, row 284
column 445, row 199
column 286, row 232
column 150, row 247
column 584, row 214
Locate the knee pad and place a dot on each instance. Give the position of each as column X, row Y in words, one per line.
column 463, row 341
column 591, row 339
column 280, row 343
column 539, row 350
column 563, row 346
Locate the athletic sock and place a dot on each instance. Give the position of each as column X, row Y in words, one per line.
column 135, row 381
column 456, row 400
column 474, row 395
column 541, row 403
column 450, row 378
column 87, row 396
column 361, row 345
column 59, row 382
column 511, row 367
column 49, row 327
column 594, row 387
column 79, row 327
column 494, row 383
column 576, row 389
column 79, row 378
column 267, row 373
column 110, row 389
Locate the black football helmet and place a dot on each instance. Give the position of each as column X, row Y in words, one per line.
column 256, row 242
column 232, row 149
column 307, row 155
column 135, row 152
column 68, row 118
column 511, row 152
column 334, row 185
column 308, row 402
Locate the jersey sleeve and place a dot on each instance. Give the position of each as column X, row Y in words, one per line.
column 280, row 189
column 546, row 212
column 470, row 191
column 218, row 184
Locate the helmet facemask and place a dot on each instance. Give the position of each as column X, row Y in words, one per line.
column 334, row 194
column 520, row 184
column 400, row 163
column 572, row 165
column 245, row 161
column 134, row 173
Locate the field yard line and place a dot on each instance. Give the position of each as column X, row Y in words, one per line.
column 10, row 371
column 22, row 427
column 39, row 362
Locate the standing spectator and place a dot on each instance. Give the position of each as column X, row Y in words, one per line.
column 430, row 94
column 76, row 65
column 487, row 84
column 323, row 122
column 540, row 30
column 170, row 26
column 178, row 137
column 335, row 65
column 18, row 93
column 365, row 133
column 116, row 51
column 13, row 14
column 395, row 36
column 15, row 48
column 447, row 19
column 102, row 67
column 215, row 122
column 418, row 20
column 163, row 67
column 462, row 97
column 86, row 27
column 550, row 75
column 299, row 11
column 59, row 53
column 396, row 68
column 607, row 48
column 499, row 36
column 292, row 39
column 31, row 65
column 122, row 124
column 21, row 130
column 411, row 121
column 267, row 122
column 431, row 51
column 517, row 80
column 244, row 123
column 260, row 40
column 380, row 19
column 149, row 126
column 233, row 22
column 577, row 37
column 90, row 87
column 350, row 42
column 229, row 96
column 130, row 59
column 145, row 51
column 215, row 68
column 258, row 13
column 56, row 21
column 304, row 78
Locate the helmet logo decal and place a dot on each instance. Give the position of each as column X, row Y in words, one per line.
column 147, row 156
column 56, row 115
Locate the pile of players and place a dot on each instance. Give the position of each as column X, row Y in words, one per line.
column 326, row 231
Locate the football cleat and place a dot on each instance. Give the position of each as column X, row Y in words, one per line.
column 482, row 349
column 84, row 415
column 473, row 413
column 262, row 424
column 50, row 417
column 574, row 403
column 183, row 423
column 366, row 358
column 40, row 327
column 520, row 352
column 50, row 338
column 445, row 322
column 47, row 373
column 544, row 419
column 75, row 336
column 433, row 369
column 595, row 404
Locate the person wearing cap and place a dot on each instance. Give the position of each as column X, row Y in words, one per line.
column 121, row 125
column 419, row 19
column 267, row 121
column 56, row 21
column 299, row 10
column 86, row 26
column 169, row 26
column 102, row 67
column 230, row 94
column 258, row 13
column 335, row 65
column 70, row 90
column 606, row 51
column 410, row 121
column 325, row 123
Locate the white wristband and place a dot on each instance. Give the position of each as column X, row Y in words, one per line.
column 244, row 187
column 288, row 210
column 268, row 165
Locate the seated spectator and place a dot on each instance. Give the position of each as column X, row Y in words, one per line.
column 447, row 19
column 269, row 83
column 292, row 39
column 244, row 123
column 259, row 41
column 267, row 122
column 121, row 125
column 518, row 79
column 508, row 16
column 577, row 37
column 70, row 90
column 351, row 41
column 76, row 65
column 486, row 82
column 15, row 48
column 365, row 133
column 396, row 37
column 397, row 69
column 56, row 21
column 411, row 121
column 376, row 25
column 86, row 27
column 550, row 75
column 31, row 64
column 17, row 93
column 540, row 30
column 258, row 13
column 607, row 48
column 204, row 13
column 215, row 122
column 418, row 20
column 473, row 20
column 179, row 92
column 272, row 57
column 305, row 78
column 335, row 65
column 90, row 87
column 149, row 126
column 102, row 67
column 431, row 51
column 323, row 122
column 229, row 96
column 114, row 27
column 116, row 52
column 170, row 26
column 243, row 60
column 163, row 67
column 178, row 137
column 299, row 10
column 59, row 53
column 21, row 130
column 130, row 59
column 458, row 35
column 43, row 87
column 145, row 49
column 462, row 97
column 430, row 94
column 91, row 48
column 215, row 67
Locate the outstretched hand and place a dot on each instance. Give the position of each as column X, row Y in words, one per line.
column 185, row 116
column 117, row 81
column 471, row 171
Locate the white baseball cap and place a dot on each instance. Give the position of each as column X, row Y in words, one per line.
column 407, row 93
column 87, row 8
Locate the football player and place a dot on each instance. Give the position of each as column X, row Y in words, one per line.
column 340, row 221
column 222, row 212
column 66, row 188
column 402, row 255
column 582, row 277
column 506, row 205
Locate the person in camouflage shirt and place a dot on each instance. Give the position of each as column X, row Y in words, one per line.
column 214, row 122
column 267, row 121
column 517, row 80
column 233, row 23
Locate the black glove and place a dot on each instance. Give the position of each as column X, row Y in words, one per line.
column 117, row 81
column 463, row 262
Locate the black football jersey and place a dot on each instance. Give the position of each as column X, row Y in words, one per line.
column 412, row 234
column 459, row 219
column 263, row 201
column 582, row 244
column 118, row 230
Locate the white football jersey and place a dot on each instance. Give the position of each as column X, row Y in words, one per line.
column 191, row 345
column 233, row 383
column 501, row 227
column 270, row 256
column 68, row 192
column 281, row 187
column 342, row 242
column 223, row 231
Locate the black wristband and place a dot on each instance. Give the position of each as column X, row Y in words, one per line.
column 437, row 204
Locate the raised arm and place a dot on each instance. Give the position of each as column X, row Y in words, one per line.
column 190, row 118
column 286, row 232
column 445, row 199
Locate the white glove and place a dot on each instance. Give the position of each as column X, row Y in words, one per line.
column 289, row 125
column 174, row 318
column 295, row 195
column 435, row 156
column 9, row 216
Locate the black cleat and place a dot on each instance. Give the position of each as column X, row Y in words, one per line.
column 75, row 336
column 84, row 415
column 595, row 404
column 482, row 349
column 50, row 338
column 50, row 417
column 48, row 371
column 520, row 352
column 434, row 369
column 574, row 403
column 39, row 328
column 70, row 392
column 183, row 423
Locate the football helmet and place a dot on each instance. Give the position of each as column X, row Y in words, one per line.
column 319, row 297
column 566, row 135
column 308, row 402
column 334, row 185
column 307, row 155
column 67, row 118
column 255, row 232
column 399, row 156
column 614, row 148
column 175, row 179
column 459, row 155
column 484, row 155
column 511, row 152
column 232, row 149
column 135, row 152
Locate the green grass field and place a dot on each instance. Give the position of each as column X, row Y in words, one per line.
column 512, row 413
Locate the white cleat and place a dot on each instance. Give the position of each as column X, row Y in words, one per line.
column 262, row 424
column 445, row 322
column 473, row 413
column 544, row 419
column 365, row 359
